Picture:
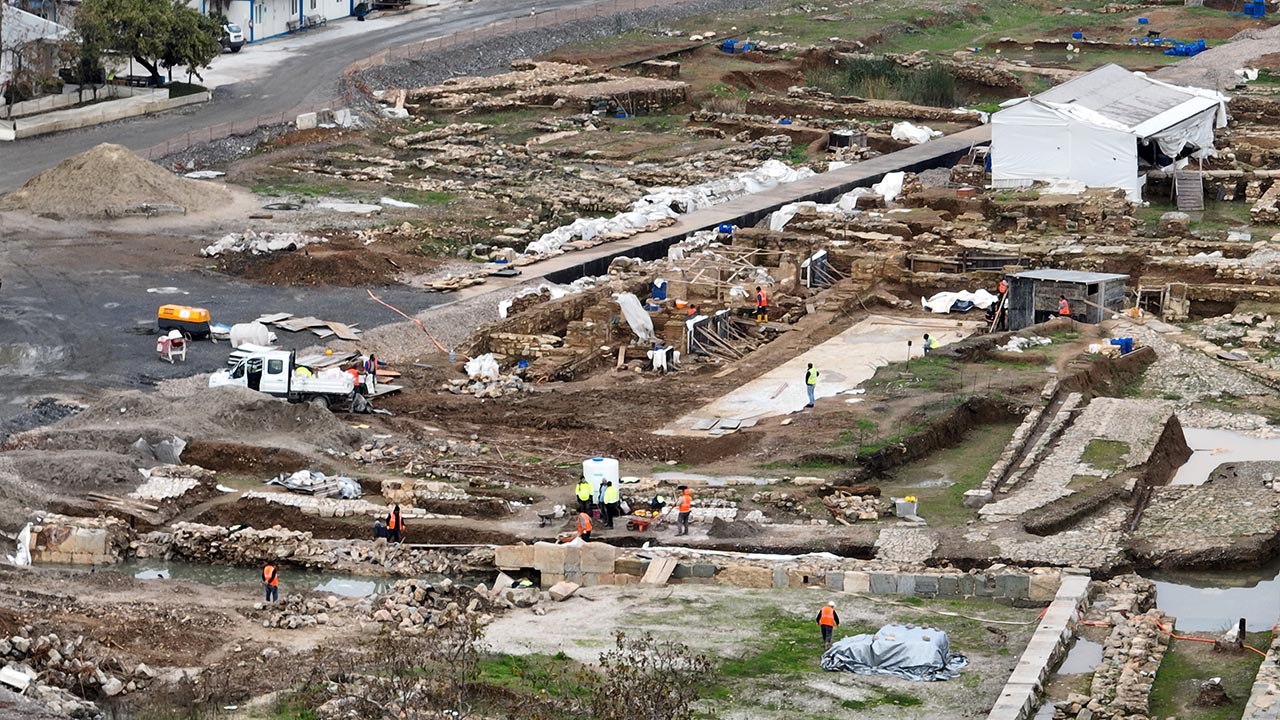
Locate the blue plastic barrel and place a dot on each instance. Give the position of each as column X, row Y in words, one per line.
column 1077, row 35
column 659, row 291
column 725, row 228
column 784, row 121
column 1144, row 21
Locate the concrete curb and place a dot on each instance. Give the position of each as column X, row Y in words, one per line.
column 75, row 118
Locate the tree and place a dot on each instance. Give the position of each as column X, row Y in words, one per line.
column 155, row 33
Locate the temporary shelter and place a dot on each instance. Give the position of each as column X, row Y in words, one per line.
column 1095, row 131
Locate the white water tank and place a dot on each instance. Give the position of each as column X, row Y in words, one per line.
column 597, row 470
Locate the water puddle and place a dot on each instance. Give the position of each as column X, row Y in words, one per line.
column 1082, row 658
column 1214, row 601
column 677, row 476
column 218, row 575
column 1211, row 448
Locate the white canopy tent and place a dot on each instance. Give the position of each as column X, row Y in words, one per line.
column 1087, row 131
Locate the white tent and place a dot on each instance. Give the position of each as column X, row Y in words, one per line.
column 19, row 28
column 1087, row 131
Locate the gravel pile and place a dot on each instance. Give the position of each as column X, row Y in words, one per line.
column 221, row 153
column 495, row 54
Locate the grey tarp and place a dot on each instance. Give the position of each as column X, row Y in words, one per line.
column 913, row 653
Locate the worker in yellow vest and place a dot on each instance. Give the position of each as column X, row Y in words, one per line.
column 612, row 503
column 583, row 492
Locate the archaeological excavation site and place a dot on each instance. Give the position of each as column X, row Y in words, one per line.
column 739, row 359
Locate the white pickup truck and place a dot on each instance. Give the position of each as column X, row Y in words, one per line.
column 273, row 372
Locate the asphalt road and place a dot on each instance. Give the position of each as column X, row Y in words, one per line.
column 308, row 77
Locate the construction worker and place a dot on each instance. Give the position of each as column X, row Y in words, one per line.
column 583, row 492
column 1002, row 287
column 762, row 305
column 584, row 526
column 693, row 310
column 395, row 525
column 303, row 372
column 810, row 381
column 371, row 373
column 658, row 502
column 612, row 503
column 1064, row 308
column 271, row 581
column 930, row 344
column 827, row 622
column 686, row 508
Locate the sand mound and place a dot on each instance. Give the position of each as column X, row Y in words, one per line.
column 111, row 181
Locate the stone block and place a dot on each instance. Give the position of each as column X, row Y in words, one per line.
column 835, row 580
column 1013, row 587
column 779, row 576
column 746, row 576
column 573, row 559
column 307, row 121
column 630, row 566
column 948, row 586
column 561, row 591
column 977, row 497
column 926, row 585
column 703, row 570
column 549, row 579
column 883, row 584
column 549, row 558
column 682, row 570
column 803, row 577
column 906, row 584
column 857, row 581
column 968, row 585
column 596, row 557
column 622, row 579
column 984, row 586
column 513, row 557
column 1043, row 588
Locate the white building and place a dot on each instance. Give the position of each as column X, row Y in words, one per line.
column 262, row 19
column 1099, row 129
column 27, row 41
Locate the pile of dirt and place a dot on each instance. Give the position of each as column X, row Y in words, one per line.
column 111, row 181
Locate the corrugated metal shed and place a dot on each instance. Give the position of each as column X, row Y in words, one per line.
column 1069, row 276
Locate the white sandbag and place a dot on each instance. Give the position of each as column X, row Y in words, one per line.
column 22, row 558
column 914, row 134
column 639, row 320
column 484, row 367
column 251, row 333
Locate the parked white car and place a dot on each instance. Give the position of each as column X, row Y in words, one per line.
column 232, row 37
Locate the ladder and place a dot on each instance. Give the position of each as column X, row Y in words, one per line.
column 1188, row 189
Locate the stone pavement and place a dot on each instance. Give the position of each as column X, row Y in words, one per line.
column 905, row 545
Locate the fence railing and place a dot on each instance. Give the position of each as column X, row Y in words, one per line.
column 351, row 84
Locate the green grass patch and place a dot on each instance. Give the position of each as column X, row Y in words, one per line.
column 884, row 80
column 539, row 674
column 885, row 697
column 788, row 645
column 1106, row 454
column 926, row 374
column 1187, row 664
column 420, row 197
column 964, row 467
column 181, row 89
column 286, row 187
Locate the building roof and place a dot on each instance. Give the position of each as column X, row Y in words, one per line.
column 20, row 27
column 1069, row 276
column 1132, row 100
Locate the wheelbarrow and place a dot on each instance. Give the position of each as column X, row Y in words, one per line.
column 643, row 523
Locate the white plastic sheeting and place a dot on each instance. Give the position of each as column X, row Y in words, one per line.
column 22, row 558
column 890, row 187
column 1033, row 141
column 914, row 134
column 484, row 367
column 942, row 302
column 668, row 202
column 639, row 320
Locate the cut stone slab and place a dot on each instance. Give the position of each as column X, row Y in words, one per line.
column 561, row 591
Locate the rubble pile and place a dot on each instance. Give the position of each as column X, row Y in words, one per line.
column 250, row 546
column 57, row 668
column 780, row 500
column 166, row 482
column 259, row 243
column 295, row 611
column 414, row 606
column 1131, row 654
column 333, row 507
column 847, row 508
column 1250, row 329
column 504, row 385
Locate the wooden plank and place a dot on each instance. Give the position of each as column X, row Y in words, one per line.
column 342, row 331
column 322, row 332
column 726, row 371
column 384, row 390
column 385, row 373
column 299, row 324
column 659, row 571
column 273, row 318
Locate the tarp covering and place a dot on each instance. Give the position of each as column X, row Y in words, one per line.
column 911, row 653
column 639, row 320
column 942, row 302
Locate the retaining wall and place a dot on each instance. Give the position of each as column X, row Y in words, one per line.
column 1264, row 700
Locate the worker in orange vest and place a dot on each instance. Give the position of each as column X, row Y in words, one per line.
column 271, row 581
column 584, row 526
column 1003, row 287
column 1064, row 308
column 762, row 305
column 827, row 621
column 395, row 525
column 685, row 507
